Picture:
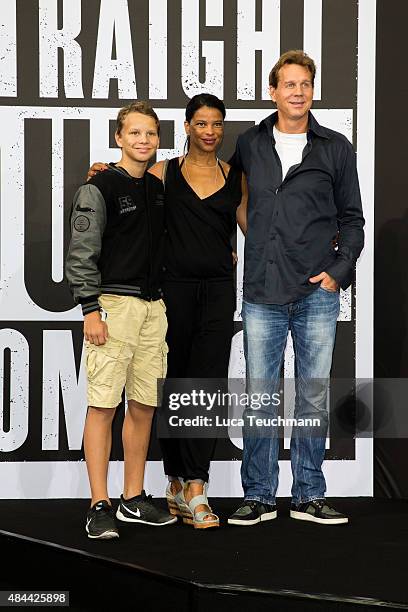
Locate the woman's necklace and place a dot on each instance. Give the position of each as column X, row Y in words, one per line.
column 201, row 165
column 188, row 175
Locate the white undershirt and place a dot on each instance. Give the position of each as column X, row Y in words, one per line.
column 289, row 148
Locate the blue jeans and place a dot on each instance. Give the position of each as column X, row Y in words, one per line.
column 312, row 323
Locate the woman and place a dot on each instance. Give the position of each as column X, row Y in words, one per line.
column 202, row 195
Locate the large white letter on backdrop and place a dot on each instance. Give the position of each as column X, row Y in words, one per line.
column 212, row 50
column 8, row 48
column 51, row 39
column 249, row 41
column 17, row 431
column 59, row 370
column 158, row 49
column 114, row 24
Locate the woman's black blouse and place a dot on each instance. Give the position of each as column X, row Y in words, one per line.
column 199, row 230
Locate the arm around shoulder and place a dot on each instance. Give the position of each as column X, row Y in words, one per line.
column 95, row 168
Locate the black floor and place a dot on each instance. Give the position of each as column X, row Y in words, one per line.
column 366, row 559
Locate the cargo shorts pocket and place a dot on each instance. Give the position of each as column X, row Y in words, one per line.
column 90, row 361
column 114, row 304
column 165, row 350
column 104, row 362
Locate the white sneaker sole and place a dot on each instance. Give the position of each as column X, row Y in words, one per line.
column 127, row 519
column 304, row 516
column 268, row 516
column 106, row 535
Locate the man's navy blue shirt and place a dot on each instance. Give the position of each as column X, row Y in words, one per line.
column 292, row 223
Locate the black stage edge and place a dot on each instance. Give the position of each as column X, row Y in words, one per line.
column 282, row 565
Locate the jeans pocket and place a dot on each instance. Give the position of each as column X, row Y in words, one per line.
column 329, row 290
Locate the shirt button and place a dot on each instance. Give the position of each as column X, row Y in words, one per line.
column 164, row 268
column 277, row 191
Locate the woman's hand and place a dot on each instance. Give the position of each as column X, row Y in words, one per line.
column 95, row 168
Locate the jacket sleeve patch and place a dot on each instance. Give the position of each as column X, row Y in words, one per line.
column 81, row 223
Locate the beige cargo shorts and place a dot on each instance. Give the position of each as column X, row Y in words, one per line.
column 134, row 356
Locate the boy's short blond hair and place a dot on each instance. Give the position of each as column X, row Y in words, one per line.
column 136, row 107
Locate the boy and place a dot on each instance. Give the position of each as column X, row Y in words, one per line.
column 113, row 269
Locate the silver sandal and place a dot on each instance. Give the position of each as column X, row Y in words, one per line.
column 176, row 503
column 197, row 519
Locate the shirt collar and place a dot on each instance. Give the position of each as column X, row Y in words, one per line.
column 314, row 127
column 124, row 172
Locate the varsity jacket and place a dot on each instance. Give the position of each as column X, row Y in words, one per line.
column 117, row 238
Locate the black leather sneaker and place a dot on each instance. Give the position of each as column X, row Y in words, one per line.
column 100, row 521
column 140, row 509
column 318, row 511
column 252, row 512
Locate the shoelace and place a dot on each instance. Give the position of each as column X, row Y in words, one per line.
column 147, row 498
column 320, row 503
column 104, row 510
column 251, row 503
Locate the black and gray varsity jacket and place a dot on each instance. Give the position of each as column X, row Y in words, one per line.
column 117, row 240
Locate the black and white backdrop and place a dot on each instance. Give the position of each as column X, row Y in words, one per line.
column 66, row 67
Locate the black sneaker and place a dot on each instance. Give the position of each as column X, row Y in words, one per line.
column 252, row 512
column 100, row 521
column 318, row 511
column 140, row 509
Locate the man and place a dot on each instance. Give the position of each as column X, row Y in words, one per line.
column 303, row 197
column 113, row 268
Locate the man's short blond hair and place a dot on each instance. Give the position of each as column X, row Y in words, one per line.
column 292, row 57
